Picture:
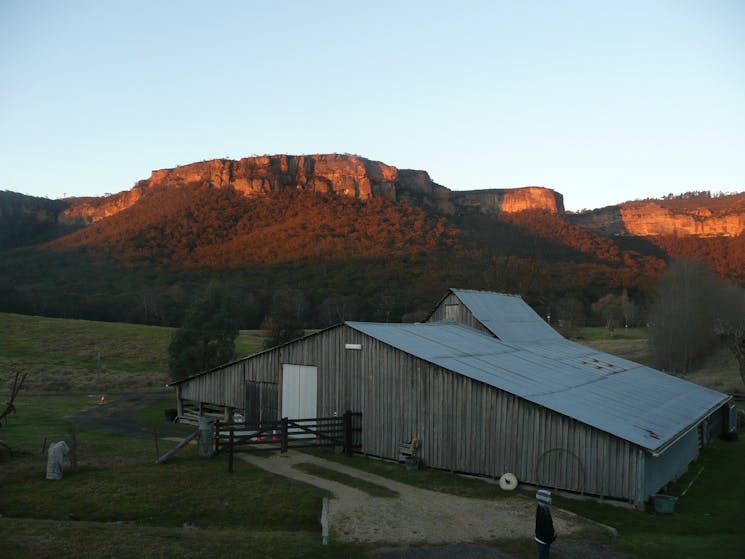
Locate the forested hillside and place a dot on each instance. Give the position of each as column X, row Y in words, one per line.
column 29, row 220
column 201, row 227
column 327, row 256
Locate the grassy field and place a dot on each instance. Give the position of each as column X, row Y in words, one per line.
column 80, row 355
column 629, row 343
column 121, row 504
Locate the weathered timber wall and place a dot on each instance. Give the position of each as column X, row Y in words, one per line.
column 464, row 425
column 462, row 314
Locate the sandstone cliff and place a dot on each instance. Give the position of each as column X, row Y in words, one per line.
column 345, row 175
column 357, row 177
column 684, row 216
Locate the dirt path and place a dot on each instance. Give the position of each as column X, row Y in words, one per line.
column 416, row 515
column 117, row 414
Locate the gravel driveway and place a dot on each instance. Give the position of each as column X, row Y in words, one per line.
column 416, row 516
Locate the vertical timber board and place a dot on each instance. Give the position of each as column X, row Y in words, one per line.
column 269, row 401
column 500, row 450
column 252, row 408
column 472, row 428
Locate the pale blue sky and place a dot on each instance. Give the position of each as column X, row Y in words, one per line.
column 604, row 101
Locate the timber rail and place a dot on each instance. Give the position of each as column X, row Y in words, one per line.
column 344, row 431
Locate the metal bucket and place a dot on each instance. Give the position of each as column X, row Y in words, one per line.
column 664, row 504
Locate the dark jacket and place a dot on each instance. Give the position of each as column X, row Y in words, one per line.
column 544, row 525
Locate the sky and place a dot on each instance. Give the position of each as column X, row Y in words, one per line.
column 603, row 101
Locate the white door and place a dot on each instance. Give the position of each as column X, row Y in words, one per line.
column 299, row 391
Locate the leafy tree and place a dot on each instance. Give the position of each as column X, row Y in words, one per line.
column 285, row 319
column 629, row 309
column 207, row 336
column 571, row 311
column 338, row 308
column 610, row 308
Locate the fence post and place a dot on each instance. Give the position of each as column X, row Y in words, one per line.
column 73, row 450
column 206, row 444
column 230, row 456
column 283, row 435
column 217, row 437
column 348, row 442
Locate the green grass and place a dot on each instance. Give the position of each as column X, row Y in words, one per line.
column 426, row 478
column 122, row 497
column 63, row 355
column 596, row 333
column 708, row 517
column 249, row 342
column 154, row 416
column 43, row 539
column 371, row 489
column 185, row 489
column 719, row 371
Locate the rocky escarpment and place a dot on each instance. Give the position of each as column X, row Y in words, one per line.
column 511, row 200
column 684, row 216
column 345, row 175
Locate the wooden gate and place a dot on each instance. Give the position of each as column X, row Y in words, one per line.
column 344, row 431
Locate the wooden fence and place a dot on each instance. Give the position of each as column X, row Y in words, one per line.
column 344, row 431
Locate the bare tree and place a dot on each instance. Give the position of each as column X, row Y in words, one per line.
column 691, row 301
column 733, row 336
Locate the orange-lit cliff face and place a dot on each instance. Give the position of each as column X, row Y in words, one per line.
column 649, row 218
column 345, row 175
column 512, row 200
column 683, row 217
column 89, row 210
column 360, row 178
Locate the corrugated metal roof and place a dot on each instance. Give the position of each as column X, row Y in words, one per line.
column 507, row 316
column 636, row 403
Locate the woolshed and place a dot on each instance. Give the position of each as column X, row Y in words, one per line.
column 487, row 388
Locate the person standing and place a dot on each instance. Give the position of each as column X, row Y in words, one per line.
column 544, row 524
